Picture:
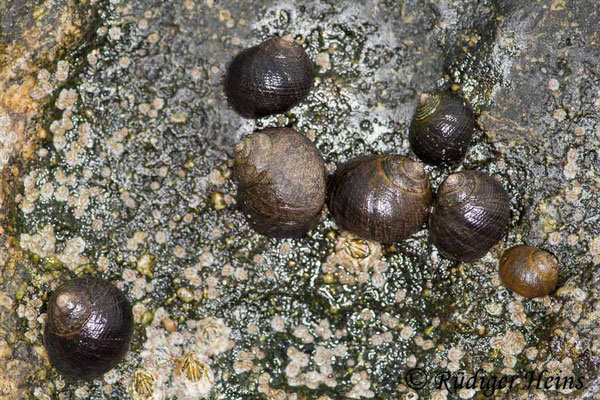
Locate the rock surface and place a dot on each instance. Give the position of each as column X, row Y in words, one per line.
column 116, row 147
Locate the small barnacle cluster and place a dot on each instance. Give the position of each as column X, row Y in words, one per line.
column 43, row 244
column 29, row 312
column 299, row 373
column 352, row 261
column 193, row 274
column 212, row 336
column 310, row 363
column 68, row 185
column 278, row 394
column 212, row 285
column 594, row 249
column 562, row 372
column 114, row 144
column 177, row 364
column 362, row 386
column 67, row 100
column 138, row 287
column 245, row 361
column 8, row 138
column 510, row 345
column 20, row 102
column 574, row 306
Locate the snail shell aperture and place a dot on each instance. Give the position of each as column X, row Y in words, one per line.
column 281, row 182
column 269, row 78
column 441, row 130
column 529, row 271
column 384, row 198
column 88, row 328
column 469, row 216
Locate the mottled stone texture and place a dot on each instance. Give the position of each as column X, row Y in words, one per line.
column 116, row 148
column 32, row 36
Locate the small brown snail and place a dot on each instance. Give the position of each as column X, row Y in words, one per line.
column 384, row 198
column 529, row 271
column 469, row 216
column 281, row 182
column 88, row 328
column 269, row 78
column 441, row 129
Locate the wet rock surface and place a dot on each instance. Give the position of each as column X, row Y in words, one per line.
column 116, row 153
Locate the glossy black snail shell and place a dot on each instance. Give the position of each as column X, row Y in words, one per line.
column 269, row 78
column 529, row 271
column 281, row 182
column 469, row 216
column 441, row 129
column 88, row 328
column 384, row 198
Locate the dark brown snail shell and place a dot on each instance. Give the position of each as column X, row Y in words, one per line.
column 384, row 198
column 469, row 216
column 442, row 128
column 281, row 182
column 88, row 328
column 529, row 271
column 269, row 78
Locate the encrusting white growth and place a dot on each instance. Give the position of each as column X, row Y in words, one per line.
column 356, row 257
column 184, row 374
column 362, row 386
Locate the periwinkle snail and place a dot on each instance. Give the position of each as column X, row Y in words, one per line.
column 469, row 216
column 281, row 182
column 384, row 198
column 529, row 271
column 269, row 78
column 88, row 328
column 441, row 129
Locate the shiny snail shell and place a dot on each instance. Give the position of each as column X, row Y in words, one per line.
column 281, row 182
column 469, row 216
column 442, row 128
column 529, row 271
column 88, row 327
column 384, row 198
column 269, row 78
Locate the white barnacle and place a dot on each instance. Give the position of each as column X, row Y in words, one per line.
column 213, row 336
column 145, row 385
column 193, row 377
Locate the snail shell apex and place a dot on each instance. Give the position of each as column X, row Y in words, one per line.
column 88, row 327
column 529, row 271
column 442, row 128
column 269, row 78
column 281, row 182
column 469, row 216
column 383, row 198
column 70, row 312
